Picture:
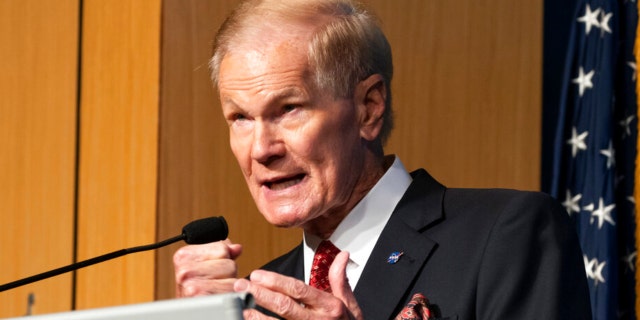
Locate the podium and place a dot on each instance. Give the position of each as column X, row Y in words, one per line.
column 226, row 306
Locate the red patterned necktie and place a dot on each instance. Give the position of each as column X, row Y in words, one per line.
column 322, row 260
column 416, row 309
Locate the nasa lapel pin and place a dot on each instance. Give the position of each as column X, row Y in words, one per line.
column 394, row 257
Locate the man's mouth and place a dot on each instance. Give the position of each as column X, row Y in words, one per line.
column 281, row 184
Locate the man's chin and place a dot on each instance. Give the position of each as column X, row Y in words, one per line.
column 281, row 220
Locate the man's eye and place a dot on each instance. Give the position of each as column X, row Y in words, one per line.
column 238, row 116
column 289, row 107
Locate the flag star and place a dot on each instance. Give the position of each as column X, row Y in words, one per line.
column 628, row 259
column 571, row 203
column 603, row 213
column 632, row 199
column 633, row 66
column 577, row 141
column 604, row 21
column 594, row 269
column 588, row 266
column 626, row 125
column 590, row 18
column 610, row 153
column 597, row 272
column 583, row 80
column 588, row 207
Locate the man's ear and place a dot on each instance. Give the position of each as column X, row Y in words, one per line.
column 370, row 97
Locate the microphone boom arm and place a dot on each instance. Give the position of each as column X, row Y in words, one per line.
column 196, row 232
column 88, row 262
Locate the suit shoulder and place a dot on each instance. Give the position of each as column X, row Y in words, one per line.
column 499, row 197
column 499, row 201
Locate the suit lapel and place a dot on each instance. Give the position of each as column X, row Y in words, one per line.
column 290, row 264
column 383, row 286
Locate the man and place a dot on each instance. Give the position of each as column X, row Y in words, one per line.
column 305, row 89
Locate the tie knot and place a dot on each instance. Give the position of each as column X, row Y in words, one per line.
column 322, row 260
column 326, row 249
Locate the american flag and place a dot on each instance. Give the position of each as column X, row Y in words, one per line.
column 595, row 149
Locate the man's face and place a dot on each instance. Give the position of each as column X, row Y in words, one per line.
column 299, row 147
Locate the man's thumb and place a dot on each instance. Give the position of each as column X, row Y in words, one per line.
column 340, row 284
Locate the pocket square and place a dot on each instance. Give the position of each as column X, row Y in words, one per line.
column 416, row 309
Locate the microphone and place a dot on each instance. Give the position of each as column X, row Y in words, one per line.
column 196, row 232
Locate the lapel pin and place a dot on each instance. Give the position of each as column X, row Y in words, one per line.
column 394, row 257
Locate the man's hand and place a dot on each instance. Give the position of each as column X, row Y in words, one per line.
column 293, row 299
column 206, row 268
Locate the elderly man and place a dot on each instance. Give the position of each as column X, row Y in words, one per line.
column 305, row 90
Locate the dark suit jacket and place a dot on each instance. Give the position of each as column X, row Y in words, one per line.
column 474, row 253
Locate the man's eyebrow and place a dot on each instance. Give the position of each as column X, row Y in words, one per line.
column 273, row 98
column 227, row 101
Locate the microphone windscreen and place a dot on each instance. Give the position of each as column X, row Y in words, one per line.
column 205, row 230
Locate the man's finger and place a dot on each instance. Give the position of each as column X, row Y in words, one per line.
column 291, row 298
column 340, row 284
column 235, row 249
column 288, row 286
column 207, row 251
column 273, row 301
column 253, row 314
column 203, row 287
column 207, row 269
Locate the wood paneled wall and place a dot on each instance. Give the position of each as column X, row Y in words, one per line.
column 152, row 148
column 467, row 89
column 38, row 64
column 99, row 171
column 118, row 149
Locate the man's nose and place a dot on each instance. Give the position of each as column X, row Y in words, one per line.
column 267, row 143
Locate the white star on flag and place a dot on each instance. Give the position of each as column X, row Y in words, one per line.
column 626, row 125
column 577, row 141
column 628, row 259
column 604, row 21
column 583, row 81
column 610, row 153
column 590, row 18
column 571, row 203
column 603, row 213
column 594, row 269
column 633, row 66
column 597, row 272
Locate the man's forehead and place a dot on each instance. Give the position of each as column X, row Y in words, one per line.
column 277, row 57
column 279, row 68
column 267, row 34
column 267, row 97
column 254, row 65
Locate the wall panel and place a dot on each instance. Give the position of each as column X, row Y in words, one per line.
column 467, row 91
column 118, row 149
column 38, row 59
